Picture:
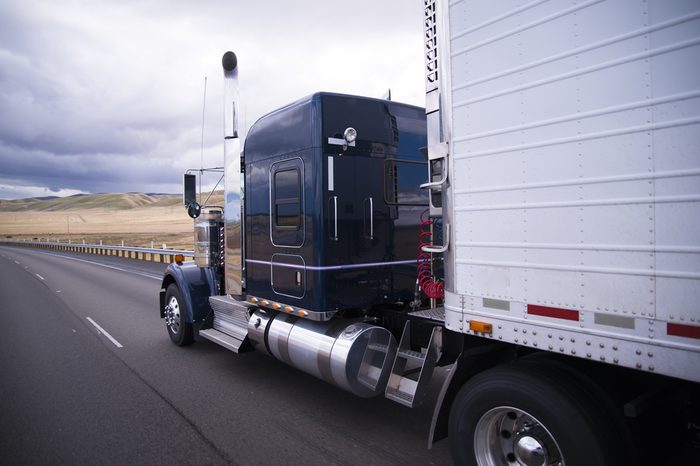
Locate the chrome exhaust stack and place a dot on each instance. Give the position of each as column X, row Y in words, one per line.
column 233, row 202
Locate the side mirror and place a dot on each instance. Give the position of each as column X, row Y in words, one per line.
column 194, row 209
column 189, row 192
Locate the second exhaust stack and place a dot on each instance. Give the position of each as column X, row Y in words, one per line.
column 233, row 202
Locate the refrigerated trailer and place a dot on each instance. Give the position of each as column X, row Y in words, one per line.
column 533, row 233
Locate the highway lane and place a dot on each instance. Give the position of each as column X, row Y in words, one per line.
column 78, row 393
column 66, row 399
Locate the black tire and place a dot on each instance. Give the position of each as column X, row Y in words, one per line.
column 532, row 407
column 180, row 332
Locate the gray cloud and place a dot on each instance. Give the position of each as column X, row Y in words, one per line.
column 106, row 96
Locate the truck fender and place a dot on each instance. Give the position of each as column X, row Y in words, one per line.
column 469, row 363
column 196, row 285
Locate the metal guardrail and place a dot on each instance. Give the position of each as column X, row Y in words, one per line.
column 149, row 254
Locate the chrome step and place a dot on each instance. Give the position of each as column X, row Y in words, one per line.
column 377, row 347
column 412, row 370
column 230, row 324
column 379, row 353
column 401, row 397
column 220, row 338
column 413, row 355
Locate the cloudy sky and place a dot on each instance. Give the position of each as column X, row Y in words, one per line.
column 106, row 96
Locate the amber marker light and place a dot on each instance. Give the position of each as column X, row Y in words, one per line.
column 289, row 309
column 179, row 258
column 253, row 300
column 481, row 327
column 303, row 313
column 276, row 306
column 264, row 302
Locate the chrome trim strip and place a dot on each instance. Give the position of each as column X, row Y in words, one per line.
column 336, row 267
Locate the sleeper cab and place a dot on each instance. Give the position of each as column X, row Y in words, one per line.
column 332, row 225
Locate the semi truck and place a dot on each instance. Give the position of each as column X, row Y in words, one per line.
column 532, row 234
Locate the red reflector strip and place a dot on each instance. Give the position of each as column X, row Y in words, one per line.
column 679, row 330
column 555, row 312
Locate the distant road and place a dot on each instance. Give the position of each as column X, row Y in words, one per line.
column 88, row 375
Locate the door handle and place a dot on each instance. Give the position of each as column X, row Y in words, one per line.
column 437, row 152
column 371, row 216
column 333, row 201
column 444, row 247
column 436, row 184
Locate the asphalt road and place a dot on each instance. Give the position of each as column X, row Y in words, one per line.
column 74, row 394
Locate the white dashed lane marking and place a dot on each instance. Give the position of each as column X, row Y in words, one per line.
column 104, row 332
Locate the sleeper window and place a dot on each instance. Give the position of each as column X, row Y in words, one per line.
column 287, row 199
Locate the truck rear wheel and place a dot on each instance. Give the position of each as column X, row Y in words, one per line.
column 179, row 330
column 531, row 413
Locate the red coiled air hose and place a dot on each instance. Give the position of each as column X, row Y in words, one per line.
column 432, row 288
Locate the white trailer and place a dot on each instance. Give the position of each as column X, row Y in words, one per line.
column 571, row 202
column 573, row 194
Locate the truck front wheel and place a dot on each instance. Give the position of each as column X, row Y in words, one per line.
column 179, row 330
column 529, row 413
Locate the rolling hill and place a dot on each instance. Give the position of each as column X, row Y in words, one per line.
column 121, row 201
column 137, row 219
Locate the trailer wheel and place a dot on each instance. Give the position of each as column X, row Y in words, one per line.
column 529, row 414
column 180, row 331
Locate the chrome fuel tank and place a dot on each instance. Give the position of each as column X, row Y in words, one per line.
column 355, row 356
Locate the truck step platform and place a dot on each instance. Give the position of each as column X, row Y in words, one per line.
column 220, row 338
column 230, row 325
column 437, row 314
column 412, row 370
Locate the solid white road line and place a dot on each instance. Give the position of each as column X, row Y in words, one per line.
column 16, row 262
column 154, row 277
column 40, row 277
column 101, row 330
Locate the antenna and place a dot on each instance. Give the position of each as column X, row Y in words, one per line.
column 201, row 162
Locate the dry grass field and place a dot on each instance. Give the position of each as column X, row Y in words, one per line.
column 137, row 219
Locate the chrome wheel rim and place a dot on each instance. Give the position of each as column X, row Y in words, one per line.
column 507, row 436
column 172, row 315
